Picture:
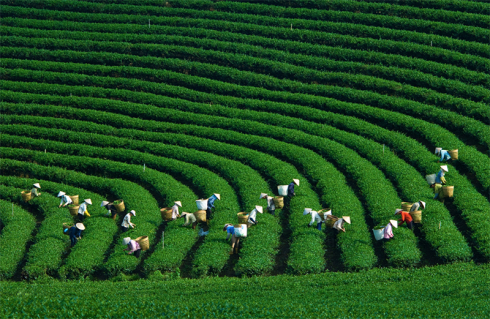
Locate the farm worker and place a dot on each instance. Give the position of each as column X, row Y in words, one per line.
column 315, row 218
column 252, row 217
column 75, row 233
column 111, row 209
column 440, row 175
column 65, row 199
column 405, row 218
column 189, row 219
column 291, row 192
column 388, row 230
column 82, row 210
column 133, row 246
column 271, row 207
column 175, row 210
column 127, row 221
column 444, row 154
column 211, row 204
column 416, row 206
column 339, row 224
column 230, row 229
column 437, row 191
column 34, row 190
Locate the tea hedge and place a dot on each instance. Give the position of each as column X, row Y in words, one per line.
column 17, row 228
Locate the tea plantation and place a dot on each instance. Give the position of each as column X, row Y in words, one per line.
column 156, row 101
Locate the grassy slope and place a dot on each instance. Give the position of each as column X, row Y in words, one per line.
column 451, row 291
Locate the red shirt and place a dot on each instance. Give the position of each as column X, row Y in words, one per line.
column 405, row 217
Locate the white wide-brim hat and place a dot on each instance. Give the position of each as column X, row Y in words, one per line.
column 178, row 203
column 37, row 185
column 397, row 210
column 347, row 219
column 423, row 204
column 262, row 195
column 218, row 196
column 296, row 181
column 104, row 202
column 438, row 150
column 259, row 209
column 394, row 223
column 444, row 168
column 80, row 226
column 60, row 194
column 133, row 212
column 126, row 240
column 88, row 201
column 306, row 211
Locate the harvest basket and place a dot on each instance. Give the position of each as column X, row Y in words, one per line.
column 73, row 209
column 166, row 213
column 448, row 191
column 453, row 154
column 416, row 216
column 330, row 221
column 200, row 216
column 119, row 204
column 65, row 226
column 278, row 202
column 406, row 206
column 74, row 199
column 242, row 218
column 379, row 233
column 282, row 190
column 240, row 230
column 202, row 204
column 26, row 195
column 431, row 179
column 144, row 242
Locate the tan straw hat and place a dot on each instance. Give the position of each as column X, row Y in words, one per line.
column 104, row 202
column 347, row 219
column 80, row 226
column 218, row 196
column 394, row 223
column 296, row 181
column 37, row 185
column 126, row 240
column 259, row 209
column 60, row 194
column 444, row 168
column 423, row 204
column 88, row 201
column 178, row 203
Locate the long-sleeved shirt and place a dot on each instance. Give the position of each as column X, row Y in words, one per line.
column 175, row 211
column 133, row 246
column 444, row 155
column 74, row 232
column 440, row 177
column 315, row 218
column 405, row 217
column 270, row 203
column 339, row 224
column 415, row 207
column 291, row 189
column 189, row 219
column 211, row 201
column 65, row 199
column 388, row 231
column 34, row 192
column 82, row 208
column 111, row 208
column 127, row 221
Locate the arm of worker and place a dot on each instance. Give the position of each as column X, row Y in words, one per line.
column 443, row 179
column 312, row 220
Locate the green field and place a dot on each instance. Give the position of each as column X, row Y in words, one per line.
column 155, row 101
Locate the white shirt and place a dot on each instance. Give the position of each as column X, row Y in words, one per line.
column 270, row 203
column 315, row 217
column 127, row 221
column 175, row 211
column 415, row 207
column 82, row 208
column 253, row 215
column 65, row 200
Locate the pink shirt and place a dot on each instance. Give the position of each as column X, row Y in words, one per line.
column 133, row 246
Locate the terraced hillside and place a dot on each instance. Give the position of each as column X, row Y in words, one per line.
column 156, row 101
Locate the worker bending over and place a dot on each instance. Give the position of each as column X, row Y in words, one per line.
column 252, row 217
column 175, row 210
column 75, row 233
column 416, row 206
column 189, row 219
column 34, row 191
column 291, row 192
column 126, row 223
column 65, row 199
column 315, row 218
column 133, row 247
column 230, row 230
column 405, row 217
column 440, row 179
column 111, row 209
column 211, row 204
column 82, row 210
column 271, row 207
column 444, row 155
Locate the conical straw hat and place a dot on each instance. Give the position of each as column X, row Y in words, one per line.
column 444, row 168
column 88, row 201
column 60, row 194
column 394, row 223
column 423, row 204
column 178, row 203
column 80, row 226
column 347, row 219
column 262, row 195
column 259, row 209
column 218, row 196
column 126, row 240
column 296, row 181
column 104, row 202
column 397, row 210
column 438, row 150
column 37, row 185
column 306, row 211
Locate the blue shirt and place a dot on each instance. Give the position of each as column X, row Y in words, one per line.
column 438, row 176
column 230, row 230
column 75, row 232
column 211, row 201
column 291, row 189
